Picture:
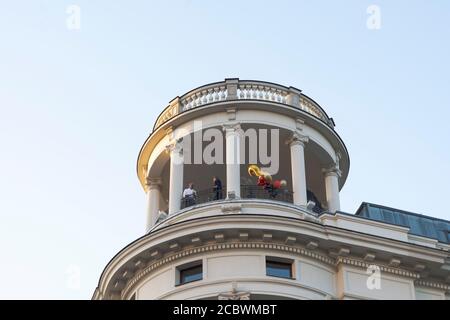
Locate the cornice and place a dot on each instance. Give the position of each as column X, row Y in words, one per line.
column 383, row 268
column 249, row 221
column 432, row 284
column 283, row 248
column 216, row 247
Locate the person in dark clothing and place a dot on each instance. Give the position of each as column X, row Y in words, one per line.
column 217, row 189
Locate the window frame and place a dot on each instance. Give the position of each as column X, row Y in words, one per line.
column 281, row 262
column 179, row 277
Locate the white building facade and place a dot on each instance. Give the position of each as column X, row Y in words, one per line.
column 247, row 241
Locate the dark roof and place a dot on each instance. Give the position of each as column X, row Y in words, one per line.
column 418, row 224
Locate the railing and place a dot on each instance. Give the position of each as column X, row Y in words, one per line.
column 203, row 196
column 204, row 95
column 262, row 91
column 247, row 192
column 257, row 192
column 235, row 89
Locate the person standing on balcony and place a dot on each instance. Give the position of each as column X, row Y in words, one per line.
column 217, row 189
column 189, row 195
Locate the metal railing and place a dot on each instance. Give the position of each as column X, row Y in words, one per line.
column 258, row 192
column 235, row 89
column 203, row 196
column 247, row 192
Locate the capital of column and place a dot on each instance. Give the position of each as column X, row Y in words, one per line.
column 332, row 170
column 175, row 146
column 153, row 183
column 232, row 127
column 297, row 138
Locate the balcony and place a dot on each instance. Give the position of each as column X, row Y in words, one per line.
column 248, row 192
column 235, row 89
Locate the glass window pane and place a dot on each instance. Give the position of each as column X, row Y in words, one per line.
column 279, row 269
column 191, row 274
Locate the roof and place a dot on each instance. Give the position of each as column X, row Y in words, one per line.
column 418, row 224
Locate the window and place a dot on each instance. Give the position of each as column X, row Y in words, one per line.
column 189, row 272
column 278, row 267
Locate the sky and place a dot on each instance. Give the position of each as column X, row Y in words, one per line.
column 76, row 105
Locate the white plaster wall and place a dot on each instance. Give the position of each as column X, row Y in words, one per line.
column 353, row 284
column 366, row 226
column 429, row 294
column 235, row 266
column 157, row 284
column 314, row 275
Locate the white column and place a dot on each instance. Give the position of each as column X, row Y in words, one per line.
column 332, row 176
column 233, row 139
column 153, row 196
column 297, row 145
column 176, row 175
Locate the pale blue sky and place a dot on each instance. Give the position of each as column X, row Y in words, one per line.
column 76, row 107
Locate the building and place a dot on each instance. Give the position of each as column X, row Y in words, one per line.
column 281, row 240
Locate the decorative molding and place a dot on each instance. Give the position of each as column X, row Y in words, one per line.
column 243, row 236
column 230, row 208
column 231, row 112
column 395, row 262
column 297, row 138
column 234, row 296
column 155, row 254
column 432, row 284
column 344, row 251
column 169, row 133
column 219, row 237
column 332, row 170
column 299, row 124
column 129, row 253
column 290, row 240
column 196, row 241
column 219, row 247
column 160, row 261
column 127, row 274
column 383, row 268
column 153, row 183
column 175, row 146
column 232, row 127
column 338, row 158
column 333, row 253
column 370, row 256
column 312, row 245
column 419, row 267
column 139, row 264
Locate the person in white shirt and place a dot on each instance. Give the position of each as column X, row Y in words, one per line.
column 189, row 195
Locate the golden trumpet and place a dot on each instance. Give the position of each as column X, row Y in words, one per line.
column 253, row 170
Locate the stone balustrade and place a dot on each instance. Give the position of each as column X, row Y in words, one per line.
column 235, row 89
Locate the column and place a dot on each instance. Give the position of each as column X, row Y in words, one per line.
column 232, row 141
column 176, row 175
column 153, row 195
column 332, row 176
column 297, row 146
